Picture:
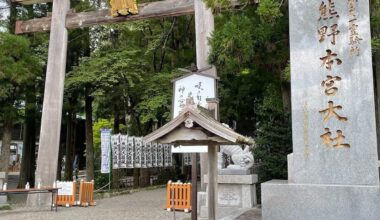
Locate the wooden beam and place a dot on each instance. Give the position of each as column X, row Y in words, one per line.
column 86, row 19
column 29, row 2
column 160, row 9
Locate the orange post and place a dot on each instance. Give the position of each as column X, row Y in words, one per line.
column 178, row 195
column 86, row 193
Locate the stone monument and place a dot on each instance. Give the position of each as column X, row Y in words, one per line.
column 333, row 171
column 236, row 183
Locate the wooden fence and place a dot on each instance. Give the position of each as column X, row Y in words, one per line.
column 178, row 196
column 66, row 200
column 86, row 193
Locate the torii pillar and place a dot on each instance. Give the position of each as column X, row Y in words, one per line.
column 48, row 150
column 204, row 26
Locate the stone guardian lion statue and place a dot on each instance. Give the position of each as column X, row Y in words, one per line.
column 242, row 158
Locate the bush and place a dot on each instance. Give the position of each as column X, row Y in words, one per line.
column 274, row 138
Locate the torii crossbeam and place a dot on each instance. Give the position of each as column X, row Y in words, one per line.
column 159, row 9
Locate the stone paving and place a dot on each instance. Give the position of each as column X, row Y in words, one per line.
column 254, row 214
column 143, row 205
column 137, row 206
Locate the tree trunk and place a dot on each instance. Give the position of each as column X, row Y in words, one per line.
column 69, row 148
column 136, row 177
column 286, row 99
column 144, row 177
column 89, row 139
column 74, row 144
column 59, row 166
column 376, row 73
column 6, row 144
column 28, row 161
column 376, row 69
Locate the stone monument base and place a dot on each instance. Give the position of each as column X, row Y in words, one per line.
column 290, row 201
column 234, row 171
column 235, row 192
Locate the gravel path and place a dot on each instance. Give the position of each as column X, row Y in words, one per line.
column 137, row 206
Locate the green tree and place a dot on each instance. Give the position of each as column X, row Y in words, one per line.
column 251, row 52
column 273, row 137
column 99, row 75
column 18, row 67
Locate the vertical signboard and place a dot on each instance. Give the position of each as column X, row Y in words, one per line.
column 105, row 137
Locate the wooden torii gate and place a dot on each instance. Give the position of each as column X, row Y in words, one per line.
column 63, row 19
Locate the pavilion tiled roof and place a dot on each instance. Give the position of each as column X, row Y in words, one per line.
column 203, row 119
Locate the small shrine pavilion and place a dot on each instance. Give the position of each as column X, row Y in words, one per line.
column 196, row 126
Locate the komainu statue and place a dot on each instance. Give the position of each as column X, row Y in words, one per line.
column 123, row 7
column 242, row 159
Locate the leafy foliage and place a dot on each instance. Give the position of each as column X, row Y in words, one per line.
column 18, row 67
column 104, row 70
column 232, row 44
column 269, row 11
column 250, row 49
column 375, row 25
column 273, row 137
column 155, row 103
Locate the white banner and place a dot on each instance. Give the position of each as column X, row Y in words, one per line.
column 123, row 151
column 160, row 155
column 154, row 154
column 105, row 136
column 130, row 152
column 115, row 141
column 138, row 152
column 148, row 154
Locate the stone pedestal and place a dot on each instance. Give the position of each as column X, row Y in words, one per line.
column 290, row 201
column 234, row 171
column 235, row 192
column 3, row 199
